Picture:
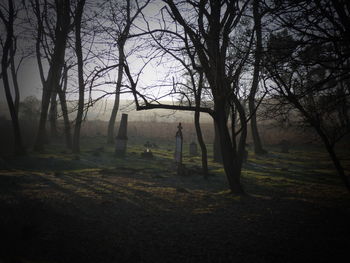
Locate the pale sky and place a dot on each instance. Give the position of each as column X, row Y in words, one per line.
column 29, row 79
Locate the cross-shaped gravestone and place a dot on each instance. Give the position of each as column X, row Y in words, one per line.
column 178, row 146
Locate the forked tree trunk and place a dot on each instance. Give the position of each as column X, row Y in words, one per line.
column 252, row 107
column 18, row 144
column 54, row 74
column 231, row 161
column 79, row 53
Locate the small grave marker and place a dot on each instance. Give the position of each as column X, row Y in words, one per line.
column 178, row 148
column 147, row 153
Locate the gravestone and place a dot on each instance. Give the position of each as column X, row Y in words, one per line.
column 147, row 153
column 178, row 148
column 122, row 138
column 193, row 149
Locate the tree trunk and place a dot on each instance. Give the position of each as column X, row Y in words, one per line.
column 53, row 115
column 67, row 129
column 111, row 123
column 230, row 159
column 329, row 147
column 18, row 145
column 64, row 108
column 340, row 169
column 14, row 77
column 198, row 126
column 336, row 162
column 54, row 74
column 241, row 152
column 201, row 142
column 122, row 38
column 252, row 110
column 216, row 146
column 79, row 53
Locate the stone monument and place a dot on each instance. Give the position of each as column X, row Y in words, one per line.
column 178, row 148
column 122, row 138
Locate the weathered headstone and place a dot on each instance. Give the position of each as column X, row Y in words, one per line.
column 193, row 149
column 122, row 138
column 178, row 148
column 147, row 153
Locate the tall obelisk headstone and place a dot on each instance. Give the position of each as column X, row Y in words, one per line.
column 122, row 138
column 178, row 149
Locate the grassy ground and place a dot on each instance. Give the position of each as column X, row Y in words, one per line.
column 58, row 207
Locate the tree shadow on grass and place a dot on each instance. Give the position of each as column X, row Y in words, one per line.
column 87, row 216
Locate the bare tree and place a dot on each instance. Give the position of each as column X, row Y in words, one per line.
column 7, row 15
column 257, row 14
column 121, row 17
column 78, row 49
column 311, row 70
column 62, row 29
column 210, row 26
column 320, row 95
